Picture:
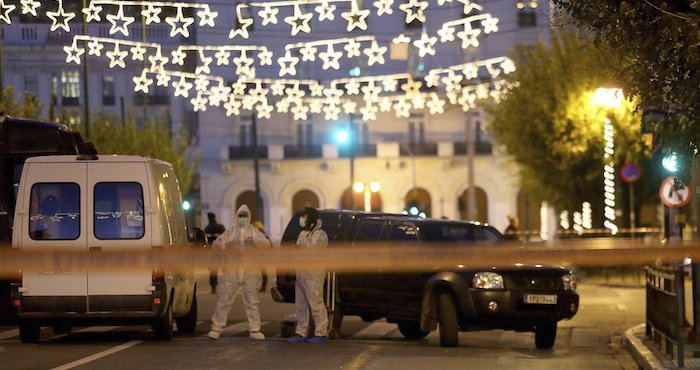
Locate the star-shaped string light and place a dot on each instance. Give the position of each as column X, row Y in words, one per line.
column 162, row 79
column 352, row 48
column 469, row 6
column 182, row 87
column 356, row 18
column 390, row 85
column 369, row 112
column 315, row 106
column 349, row 107
column 265, row 57
column 238, row 88
column 199, row 103
column 142, row 82
column 180, row 24
column 157, row 61
column 116, row 57
column 470, row 71
column 330, row 58
column 5, row 10
column 30, row 6
column 300, row 112
column 435, row 104
column 178, row 57
column 232, row 106
column 268, row 15
column 508, row 66
column 59, row 18
column 264, row 110
column 371, row 92
column 432, row 79
column 201, row 83
column 206, row 17
column 352, row 87
column 469, row 36
column 205, row 61
column 119, row 22
column 316, row 90
column 277, row 88
column 383, row 6
column 331, row 112
column 411, row 87
column 414, row 10
column 288, row 64
column 490, row 24
column 446, row 33
column 151, row 14
column 243, row 63
column 402, row 108
column 222, row 57
column 282, row 106
column 95, row 48
column 138, row 52
column 73, row 52
column 425, row 45
column 308, row 53
column 325, row 11
column 299, row 21
column 375, row 54
column 385, row 104
column 418, row 101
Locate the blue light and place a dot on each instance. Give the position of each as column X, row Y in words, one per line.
column 186, row 205
column 342, row 136
column 413, row 211
column 355, row 71
column 421, row 66
column 670, row 163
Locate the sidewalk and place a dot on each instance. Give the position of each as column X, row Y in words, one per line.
column 648, row 356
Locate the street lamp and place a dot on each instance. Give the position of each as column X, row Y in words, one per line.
column 608, row 98
column 347, row 137
column 373, row 187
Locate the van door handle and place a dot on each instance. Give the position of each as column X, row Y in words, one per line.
column 95, row 249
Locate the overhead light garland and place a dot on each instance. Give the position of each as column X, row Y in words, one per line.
column 59, row 18
column 5, row 10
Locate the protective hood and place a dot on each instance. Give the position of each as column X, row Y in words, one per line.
column 243, row 210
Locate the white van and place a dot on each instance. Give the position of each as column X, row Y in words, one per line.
column 86, row 203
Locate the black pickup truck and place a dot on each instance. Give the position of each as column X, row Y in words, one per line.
column 516, row 297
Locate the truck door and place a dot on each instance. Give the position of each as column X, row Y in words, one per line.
column 52, row 214
column 116, row 204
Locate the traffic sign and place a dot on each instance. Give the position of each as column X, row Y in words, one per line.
column 630, row 173
column 672, row 197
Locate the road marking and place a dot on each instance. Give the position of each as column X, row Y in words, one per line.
column 377, row 329
column 236, row 329
column 98, row 355
column 89, row 329
column 9, row 334
column 360, row 360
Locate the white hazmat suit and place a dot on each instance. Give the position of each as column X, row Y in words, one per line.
column 309, row 286
column 241, row 235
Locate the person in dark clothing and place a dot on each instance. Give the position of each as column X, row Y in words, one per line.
column 213, row 230
column 511, row 232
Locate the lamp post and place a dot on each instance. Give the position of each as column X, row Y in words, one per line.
column 361, row 187
column 608, row 98
column 344, row 137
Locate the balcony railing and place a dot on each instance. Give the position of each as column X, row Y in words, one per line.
column 418, row 149
column 303, row 151
column 362, row 150
column 480, row 148
column 246, row 152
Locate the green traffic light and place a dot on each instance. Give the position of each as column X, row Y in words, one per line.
column 186, row 205
column 670, row 163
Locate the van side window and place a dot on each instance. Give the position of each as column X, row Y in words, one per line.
column 404, row 232
column 54, row 211
column 370, row 231
column 119, row 210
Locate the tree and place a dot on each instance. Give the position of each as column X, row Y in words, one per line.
column 656, row 47
column 29, row 109
column 548, row 123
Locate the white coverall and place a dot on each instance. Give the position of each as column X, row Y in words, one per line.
column 233, row 281
column 309, row 287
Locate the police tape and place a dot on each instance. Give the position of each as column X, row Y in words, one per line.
column 356, row 258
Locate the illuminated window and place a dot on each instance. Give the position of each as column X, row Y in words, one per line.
column 527, row 17
column 70, row 87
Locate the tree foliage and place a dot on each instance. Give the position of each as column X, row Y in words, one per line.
column 151, row 140
column 30, row 107
column 548, row 123
column 655, row 45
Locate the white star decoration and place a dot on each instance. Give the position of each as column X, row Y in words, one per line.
column 95, row 48
column 299, row 21
column 180, row 24
column 123, row 22
column 265, row 57
column 330, row 58
column 352, row 48
column 288, row 64
column 74, row 53
column 92, row 13
column 162, row 79
column 138, row 52
column 179, row 57
column 446, row 33
column 425, row 45
column 469, row 36
column 356, row 18
column 151, row 13
column 264, row 110
column 59, row 18
column 369, row 112
column 5, row 10
column 182, row 87
column 375, row 54
column 308, row 53
column 204, row 64
column 469, row 6
column 268, row 15
column 383, row 6
column 325, row 11
column 414, row 10
column 243, row 63
column 206, row 17
column 490, row 24
column 157, row 62
column 30, row 6
column 142, row 82
column 116, row 57
column 435, row 104
column 222, row 57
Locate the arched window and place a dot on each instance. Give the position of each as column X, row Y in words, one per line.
column 304, row 198
column 481, row 209
column 417, row 201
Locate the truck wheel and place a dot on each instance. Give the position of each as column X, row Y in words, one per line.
column 447, row 318
column 188, row 323
column 411, row 330
column 29, row 332
column 163, row 327
column 545, row 334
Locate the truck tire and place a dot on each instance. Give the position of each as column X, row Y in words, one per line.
column 447, row 320
column 188, row 323
column 29, row 331
column 411, row 330
column 163, row 327
column 545, row 334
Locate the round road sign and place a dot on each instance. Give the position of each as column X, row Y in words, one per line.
column 672, row 197
column 630, row 173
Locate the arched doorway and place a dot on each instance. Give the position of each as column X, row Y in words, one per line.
column 375, row 201
column 417, row 202
column 304, row 198
column 248, row 198
column 532, row 222
column 481, row 208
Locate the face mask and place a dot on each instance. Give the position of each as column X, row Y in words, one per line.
column 243, row 222
column 302, row 222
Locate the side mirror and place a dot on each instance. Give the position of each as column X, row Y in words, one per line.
column 199, row 239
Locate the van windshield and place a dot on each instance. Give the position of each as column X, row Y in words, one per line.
column 443, row 232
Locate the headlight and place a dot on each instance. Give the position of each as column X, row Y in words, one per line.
column 569, row 281
column 488, row 280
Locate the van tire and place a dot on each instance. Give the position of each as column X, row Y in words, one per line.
column 545, row 334
column 163, row 327
column 188, row 323
column 29, row 332
column 447, row 320
column 411, row 329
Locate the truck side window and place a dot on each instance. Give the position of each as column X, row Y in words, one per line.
column 370, row 231
column 54, row 211
column 119, row 210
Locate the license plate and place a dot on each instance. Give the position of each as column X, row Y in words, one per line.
column 541, row 298
column 56, row 271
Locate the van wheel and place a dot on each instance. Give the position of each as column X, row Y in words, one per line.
column 188, row 323
column 447, row 318
column 411, row 330
column 163, row 327
column 29, row 332
column 545, row 334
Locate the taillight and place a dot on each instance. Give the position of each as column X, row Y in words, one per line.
column 158, row 276
column 17, row 278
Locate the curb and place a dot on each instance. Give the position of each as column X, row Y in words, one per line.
column 645, row 356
